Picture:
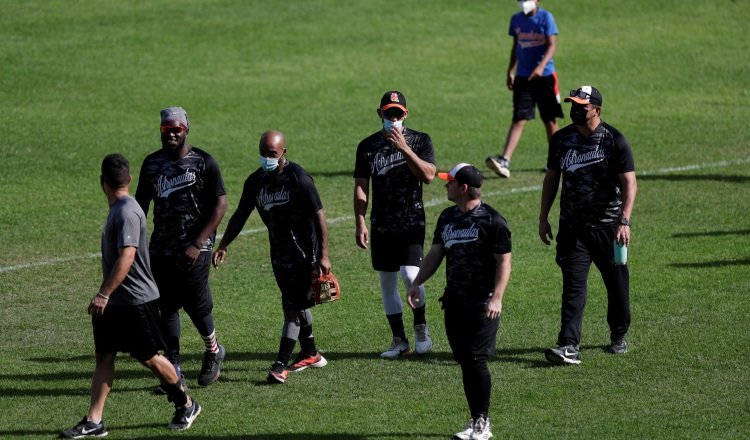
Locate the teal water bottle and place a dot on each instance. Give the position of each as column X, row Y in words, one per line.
column 621, row 253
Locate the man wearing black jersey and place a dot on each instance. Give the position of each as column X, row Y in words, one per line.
column 599, row 185
column 189, row 202
column 397, row 160
column 290, row 207
column 476, row 242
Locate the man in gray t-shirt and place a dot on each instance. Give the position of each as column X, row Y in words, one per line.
column 124, row 313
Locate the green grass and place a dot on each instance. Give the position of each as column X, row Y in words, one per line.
column 83, row 79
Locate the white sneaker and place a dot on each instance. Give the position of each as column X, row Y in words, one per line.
column 499, row 164
column 465, row 434
column 398, row 347
column 481, row 429
column 423, row 342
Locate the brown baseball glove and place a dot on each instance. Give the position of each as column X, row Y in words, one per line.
column 326, row 288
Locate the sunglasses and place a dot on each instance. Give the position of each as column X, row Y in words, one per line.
column 394, row 112
column 580, row 94
column 172, row 130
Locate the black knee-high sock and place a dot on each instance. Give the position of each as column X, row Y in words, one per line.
column 396, row 321
column 307, row 340
column 419, row 316
column 170, row 327
column 477, row 386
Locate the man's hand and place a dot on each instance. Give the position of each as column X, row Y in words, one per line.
column 413, row 296
column 362, row 236
column 622, row 235
column 510, row 80
column 97, row 305
column 545, row 231
column 494, row 307
column 325, row 266
column 218, row 257
column 396, row 138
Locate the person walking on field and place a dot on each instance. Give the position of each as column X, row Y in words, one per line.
column 186, row 187
column 289, row 205
column 397, row 160
column 534, row 82
column 599, row 185
column 124, row 313
column 476, row 243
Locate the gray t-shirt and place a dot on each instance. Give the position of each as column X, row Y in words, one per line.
column 126, row 227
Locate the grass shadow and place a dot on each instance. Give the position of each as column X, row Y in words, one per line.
column 694, row 177
column 710, row 233
column 718, row 263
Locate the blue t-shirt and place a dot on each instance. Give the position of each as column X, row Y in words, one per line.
column 531, row 34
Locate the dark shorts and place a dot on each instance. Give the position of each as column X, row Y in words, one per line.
column 129, row 329
column 471, row 334
column 542, row 92
column 391, row 250
column 295, row 284
column 183, row 286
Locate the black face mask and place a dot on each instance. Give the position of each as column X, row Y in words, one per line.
column 578, row 115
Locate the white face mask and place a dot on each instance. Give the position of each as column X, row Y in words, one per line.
column 389, row 125
column 269, row 163
column 527, row 6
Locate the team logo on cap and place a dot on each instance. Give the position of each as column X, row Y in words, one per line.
column 394, row 97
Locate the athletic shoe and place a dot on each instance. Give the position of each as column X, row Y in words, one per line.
column 184, row 416
column 159, row 391
column 567, row 354
column 397, row 348
column 305, row 360
column 423, row 343
column 278, row 373
column 465, row 434
column 84, row 428
column 499, row 164
column 481, row 429
column 211, row 369
column 618, row 345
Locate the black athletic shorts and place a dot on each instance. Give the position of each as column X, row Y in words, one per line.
column 183, row 286
column 542, row 92
column 471, row 334
column 129, row 329
column 295, row 284
column 391, row 250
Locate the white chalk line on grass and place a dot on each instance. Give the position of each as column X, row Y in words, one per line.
column 429, row 203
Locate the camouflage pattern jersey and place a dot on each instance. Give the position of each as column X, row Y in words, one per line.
column 184, row 194
column 396, row 192
column 287, row 202
column 470, row 241
column 591, row 194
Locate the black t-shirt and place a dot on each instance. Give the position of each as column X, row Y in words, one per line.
column 184, row 194
column 470, row 241
column 287, row 202
column 591, row 193
column 396, row 192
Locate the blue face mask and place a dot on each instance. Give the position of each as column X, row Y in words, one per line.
column 390, row 125
column 269, row 163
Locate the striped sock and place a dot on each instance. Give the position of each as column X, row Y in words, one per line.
column 210, row 342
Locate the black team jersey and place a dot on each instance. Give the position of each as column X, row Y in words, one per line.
column 184, row 194
column 591, row 194
column 287, row 202
column 470, row 241
column 396, row 192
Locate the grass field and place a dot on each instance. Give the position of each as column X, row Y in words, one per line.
column 83, row 79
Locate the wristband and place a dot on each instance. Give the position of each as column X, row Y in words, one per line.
column 196, row 246
column 101, row 295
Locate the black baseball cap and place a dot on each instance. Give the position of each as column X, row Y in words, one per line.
column 465, row 174
column 393, row 98
column 585, row 95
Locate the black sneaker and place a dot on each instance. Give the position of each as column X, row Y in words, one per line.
column 84, row 428
column 159, row 391
column 278, row 373
column 184, row 417
column 618, row 345
column 211, row 369
column 567, row 354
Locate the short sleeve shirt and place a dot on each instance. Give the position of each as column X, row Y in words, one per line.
column 470, row 241
column 531, row 35
column 396, row 192
column 287, row 202
column 126, row 227
column 591, row 194
column 184, row 194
